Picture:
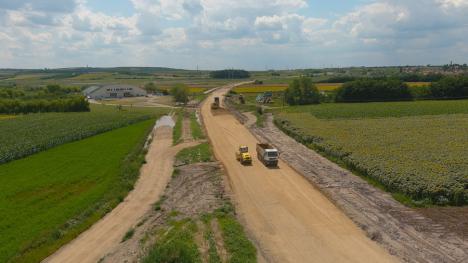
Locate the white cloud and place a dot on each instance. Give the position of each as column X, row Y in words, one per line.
column 277, row 31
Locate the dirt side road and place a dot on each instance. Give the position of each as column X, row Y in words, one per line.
column 106, row 234
column 290, row 220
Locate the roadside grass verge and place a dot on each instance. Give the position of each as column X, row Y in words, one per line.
column 239, row 247
column 236, row 242
column 129, row 234
column 177, row 131
column 49, row 198
column 195, row 127
column 175, row 244
column 213, row 255
column 197, row 154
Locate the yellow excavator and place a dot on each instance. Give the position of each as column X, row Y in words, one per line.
column 243, row 155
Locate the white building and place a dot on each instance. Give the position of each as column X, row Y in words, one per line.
column 113, row 91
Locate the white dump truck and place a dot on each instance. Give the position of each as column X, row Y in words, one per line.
column 267, row 154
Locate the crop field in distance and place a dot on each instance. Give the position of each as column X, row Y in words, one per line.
column 417, row 149
column 163, row 78
column 249, row 88
column 281, row 87
column 32, row 133
column 64, row 190
column 6, row 117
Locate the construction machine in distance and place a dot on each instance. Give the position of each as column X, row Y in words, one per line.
column 215, row 104
column 243, row 155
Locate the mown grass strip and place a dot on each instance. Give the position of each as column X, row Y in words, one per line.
column 48, row 198
column 195, row 127
column 177, row 131
column 197, row 154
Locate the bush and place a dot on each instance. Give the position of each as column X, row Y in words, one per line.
column 302, row 92
column 230, row 74
column 367, row 90
column 450, row 87
column 180, row 93
column 78, row 104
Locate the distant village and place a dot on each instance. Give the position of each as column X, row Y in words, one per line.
column 448, row 69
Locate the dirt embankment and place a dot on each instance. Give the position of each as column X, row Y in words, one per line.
column 290, row 220
column 196, row 190
column 413, row 235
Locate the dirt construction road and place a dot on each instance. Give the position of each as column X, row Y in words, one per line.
column 106, row 234
column 287, row 217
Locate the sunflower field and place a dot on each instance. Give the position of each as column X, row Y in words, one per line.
column 424, row 157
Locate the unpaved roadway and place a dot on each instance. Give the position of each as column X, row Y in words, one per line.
column 287, row 217
column 106, row 234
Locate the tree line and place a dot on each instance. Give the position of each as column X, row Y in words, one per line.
column 230, row 74
column 407, row 77
column 302, row 91
column 16, row 106
column 391, row 89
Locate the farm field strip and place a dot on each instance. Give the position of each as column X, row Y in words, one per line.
column 29, row 134
column 320, row 87
column 48, row 198
column 381, row 110
column 6, row 117
column 420, row 156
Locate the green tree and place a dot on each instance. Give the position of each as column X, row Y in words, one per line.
column 151, row 88
column 180, row 93
column 302, row 92
column 53, row 88
column 366, row 90
column 450, row 87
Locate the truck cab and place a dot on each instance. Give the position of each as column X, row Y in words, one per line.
column 271, row 157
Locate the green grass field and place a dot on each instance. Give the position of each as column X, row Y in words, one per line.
column 417, row 149
column 382, row 110
column 28, row 134
column 48, row 198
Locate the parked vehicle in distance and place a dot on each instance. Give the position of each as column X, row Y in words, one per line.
column 215, row 104
column 243, row 155
column 267, row 154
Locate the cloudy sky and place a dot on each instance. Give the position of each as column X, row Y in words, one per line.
column 250, row 34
